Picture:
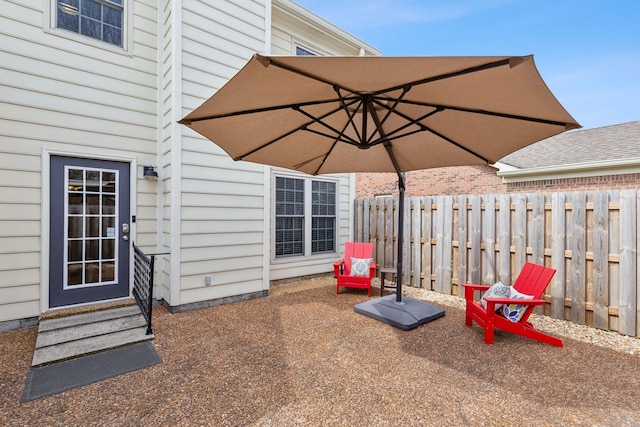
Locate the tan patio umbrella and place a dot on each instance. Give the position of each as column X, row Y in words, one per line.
column 380, row 114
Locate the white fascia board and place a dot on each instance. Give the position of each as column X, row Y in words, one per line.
column 330, row 30
column 576, row 170
column 504, row 167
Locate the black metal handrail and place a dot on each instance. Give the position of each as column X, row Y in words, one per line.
column 143, row 283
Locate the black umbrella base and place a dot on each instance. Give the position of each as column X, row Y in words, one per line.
column 406, row 315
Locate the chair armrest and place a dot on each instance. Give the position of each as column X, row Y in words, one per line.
column 476, row 287
column 338, row 268
column 491, row 303
column 516, row 301
column 469, row 290
column 372, row 270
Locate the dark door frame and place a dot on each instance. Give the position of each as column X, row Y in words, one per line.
column 46, row 218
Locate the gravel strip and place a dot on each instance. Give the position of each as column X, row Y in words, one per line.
column 302, row 356
column 563, row 328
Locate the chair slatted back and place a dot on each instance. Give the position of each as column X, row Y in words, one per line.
column 356, row 250
column 533, row 280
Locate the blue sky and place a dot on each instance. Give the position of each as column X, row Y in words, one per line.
column 588, row 52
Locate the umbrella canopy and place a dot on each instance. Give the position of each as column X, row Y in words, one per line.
column 380, row 114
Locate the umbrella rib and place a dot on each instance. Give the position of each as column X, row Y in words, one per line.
column 487, row 66
column 390, row 110
column 350, row 114
column 486, row 112
column 426, row 128
column 187, row 122
column 339, row 135
column 460, row 146
column 278, row 64
column 406, row 86
column 335, row 142
column 302, row 127
column 339, row 138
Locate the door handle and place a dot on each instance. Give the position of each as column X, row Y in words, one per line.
column 125, row 228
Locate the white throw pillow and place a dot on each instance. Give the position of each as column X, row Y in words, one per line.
column 514, row 312
column 498, row 290
column 360, row 267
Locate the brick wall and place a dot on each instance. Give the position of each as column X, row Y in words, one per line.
column 588, row 183
column 479, row 180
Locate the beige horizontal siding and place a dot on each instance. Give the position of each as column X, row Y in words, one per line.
column 222, row 201
column 65, row 94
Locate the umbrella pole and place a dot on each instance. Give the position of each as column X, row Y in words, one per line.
column 407, row 314
column 400, row 237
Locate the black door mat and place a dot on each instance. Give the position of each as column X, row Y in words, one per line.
column 59, row 377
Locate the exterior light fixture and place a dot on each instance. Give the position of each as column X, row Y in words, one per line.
column 149, row 172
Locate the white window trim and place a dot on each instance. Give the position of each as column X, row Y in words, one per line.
column 307, row 217
column 49, row 26
column 65, row 257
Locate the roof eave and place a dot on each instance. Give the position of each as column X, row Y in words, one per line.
column 576, row 170
column 322, row 25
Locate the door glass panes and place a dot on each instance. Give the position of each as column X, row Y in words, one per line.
column 91, row 206
column 108, row 271
column 98, row 19
column 93, row 181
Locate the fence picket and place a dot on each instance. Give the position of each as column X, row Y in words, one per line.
column 359, row 226
column 628, row 273
column 558, row 262
column 462, row 243
column 476, row 239
column 447, row 247
column 536, row 231
column 389, row 238
column 406, row 242
column 601, row 260
column 416, row 245
column 578, row 251
column 504, row 240
column 439, row 235
column 520, row 233
column 489, row 239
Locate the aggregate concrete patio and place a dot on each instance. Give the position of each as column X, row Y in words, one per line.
column 302, row 356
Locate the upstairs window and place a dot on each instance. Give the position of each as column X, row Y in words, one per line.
column 300, row 51
column 99, row 19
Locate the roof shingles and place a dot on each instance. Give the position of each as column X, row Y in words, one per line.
column 613, row 142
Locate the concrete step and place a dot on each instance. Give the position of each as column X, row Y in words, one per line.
column 88, row 318
column 78, row 335
column 88, row 330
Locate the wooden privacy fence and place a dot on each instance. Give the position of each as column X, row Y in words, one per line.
column 590, row 238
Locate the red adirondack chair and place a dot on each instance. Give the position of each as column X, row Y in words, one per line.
column 532, row 280
column 345, row 272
